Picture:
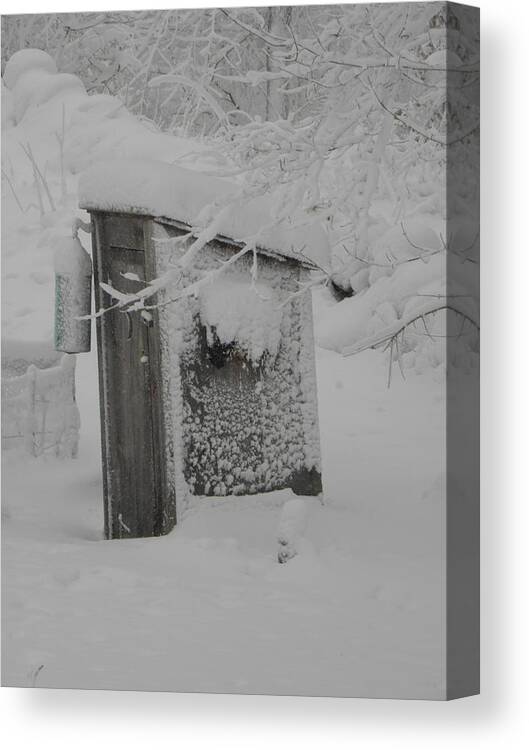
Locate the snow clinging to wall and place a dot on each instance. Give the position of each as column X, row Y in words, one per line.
column 238, row 312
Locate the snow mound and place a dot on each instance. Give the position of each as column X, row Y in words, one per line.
column 36, row 87
column 197, row 199
column 235, row 311
column 25, row 60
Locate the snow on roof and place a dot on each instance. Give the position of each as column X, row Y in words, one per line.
column 162, row 190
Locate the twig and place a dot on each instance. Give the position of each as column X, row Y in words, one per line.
column 390, row 332
column 19, row 204
column 38, row 175
column 60, row 140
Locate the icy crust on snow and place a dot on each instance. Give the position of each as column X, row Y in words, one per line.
column 245, row 427
column 197, row 199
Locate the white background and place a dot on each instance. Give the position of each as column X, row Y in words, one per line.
column 499, row 717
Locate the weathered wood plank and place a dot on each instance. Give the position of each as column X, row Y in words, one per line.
column 124, row 231
column 136, row 495
column 98, row 245
column 130, row 385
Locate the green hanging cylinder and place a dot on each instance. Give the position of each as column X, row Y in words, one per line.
column 73, row 297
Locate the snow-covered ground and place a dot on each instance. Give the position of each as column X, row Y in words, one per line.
column 359, row 611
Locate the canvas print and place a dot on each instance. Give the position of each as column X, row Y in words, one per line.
column 240, row 350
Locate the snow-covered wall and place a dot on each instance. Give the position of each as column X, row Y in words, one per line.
column 243, row 387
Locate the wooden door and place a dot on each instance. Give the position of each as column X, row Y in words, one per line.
column 130, row 391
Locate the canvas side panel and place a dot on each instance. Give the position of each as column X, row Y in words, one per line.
column 462, row 402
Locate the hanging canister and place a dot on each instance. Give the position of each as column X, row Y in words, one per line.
column 73, row 286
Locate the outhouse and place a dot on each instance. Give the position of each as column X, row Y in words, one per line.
column 208, row 387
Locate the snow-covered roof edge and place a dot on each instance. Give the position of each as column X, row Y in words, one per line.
column 161, row 190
